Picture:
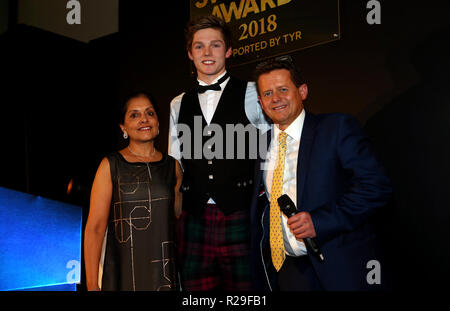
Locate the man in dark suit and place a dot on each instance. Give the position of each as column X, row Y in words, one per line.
column 325, row 164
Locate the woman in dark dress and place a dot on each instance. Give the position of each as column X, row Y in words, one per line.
column 130, row 231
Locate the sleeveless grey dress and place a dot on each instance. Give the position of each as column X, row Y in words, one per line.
column 140, row 249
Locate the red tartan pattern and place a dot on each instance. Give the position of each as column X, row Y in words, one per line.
column 214, row 250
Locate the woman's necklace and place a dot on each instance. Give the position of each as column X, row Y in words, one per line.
column 140, row 156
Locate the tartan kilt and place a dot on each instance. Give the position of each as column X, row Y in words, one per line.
column 214, row 250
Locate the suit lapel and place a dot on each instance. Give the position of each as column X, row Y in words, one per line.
column 262, row 157
column 261, row 163
column 257, row 207
column 304, row 152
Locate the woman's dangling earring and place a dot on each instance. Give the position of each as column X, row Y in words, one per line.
column 125, row 135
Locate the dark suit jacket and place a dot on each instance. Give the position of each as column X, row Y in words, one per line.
column 341, row 184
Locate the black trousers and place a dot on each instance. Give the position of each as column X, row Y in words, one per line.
column 297, row 274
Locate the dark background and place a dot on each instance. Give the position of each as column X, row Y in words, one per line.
column 59, row 99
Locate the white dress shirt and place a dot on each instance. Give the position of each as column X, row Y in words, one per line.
column 210, row 99
column 294, row 131
column 208, row 103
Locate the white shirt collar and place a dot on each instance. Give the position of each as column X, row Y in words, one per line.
column 294, row 130
column 214, row 81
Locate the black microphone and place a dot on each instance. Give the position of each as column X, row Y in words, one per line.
column 288, row 208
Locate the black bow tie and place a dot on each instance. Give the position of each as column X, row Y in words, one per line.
column 215, row 87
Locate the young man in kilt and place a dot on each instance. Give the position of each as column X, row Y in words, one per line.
column 214, row 228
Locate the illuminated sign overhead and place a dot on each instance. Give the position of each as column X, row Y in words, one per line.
column 267, row 28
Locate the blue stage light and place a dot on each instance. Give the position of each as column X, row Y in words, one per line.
column 40, row 243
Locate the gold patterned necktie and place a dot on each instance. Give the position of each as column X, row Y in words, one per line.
column 276, row 235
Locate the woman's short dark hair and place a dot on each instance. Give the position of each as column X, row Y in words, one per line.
column 204, row 22
column 138, row 94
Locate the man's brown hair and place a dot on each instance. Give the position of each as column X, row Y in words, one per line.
column 204, row 22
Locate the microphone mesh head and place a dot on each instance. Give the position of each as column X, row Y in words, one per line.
column 285, row 200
